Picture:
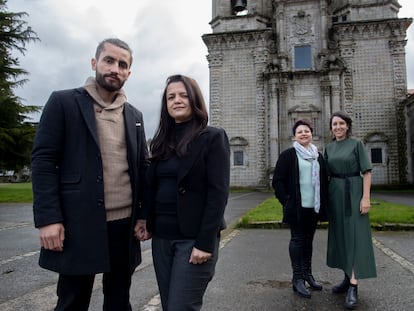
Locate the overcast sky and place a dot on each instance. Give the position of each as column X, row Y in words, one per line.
column 165, row 37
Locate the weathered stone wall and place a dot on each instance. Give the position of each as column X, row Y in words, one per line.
column 357, row 64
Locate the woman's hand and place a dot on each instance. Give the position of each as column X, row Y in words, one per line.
column 199, row 256
column 365, row 205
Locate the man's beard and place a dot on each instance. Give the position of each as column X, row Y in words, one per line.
column 110, row 87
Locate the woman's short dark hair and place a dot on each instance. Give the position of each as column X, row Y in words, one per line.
column 344, row 116
column 301, row 122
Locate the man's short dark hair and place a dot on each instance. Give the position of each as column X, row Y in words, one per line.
column 115, row 41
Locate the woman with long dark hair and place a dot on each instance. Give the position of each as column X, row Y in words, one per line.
column 189, row 181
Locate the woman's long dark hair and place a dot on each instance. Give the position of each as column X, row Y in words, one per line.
column 164, row 144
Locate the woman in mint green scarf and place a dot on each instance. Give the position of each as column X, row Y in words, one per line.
column 300, row 185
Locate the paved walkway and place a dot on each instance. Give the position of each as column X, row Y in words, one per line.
column 254, row 273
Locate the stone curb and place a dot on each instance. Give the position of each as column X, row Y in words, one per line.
column 276, row 224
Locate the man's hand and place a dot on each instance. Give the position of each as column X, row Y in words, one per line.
column 52, row 237
column 140, row 230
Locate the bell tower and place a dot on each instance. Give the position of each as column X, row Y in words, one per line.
column 238, row 52
column 227, row 13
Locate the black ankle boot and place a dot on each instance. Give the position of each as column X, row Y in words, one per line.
column 351, row 300
column 300, row 288
column 342, row 287
column 312, row 283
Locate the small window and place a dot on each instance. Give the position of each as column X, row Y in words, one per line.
column 303, row 57
column 376, row 155
column 238, row 158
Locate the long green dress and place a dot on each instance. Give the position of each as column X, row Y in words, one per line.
column 349, row 234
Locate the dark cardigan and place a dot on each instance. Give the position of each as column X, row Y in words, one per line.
column 287, row 188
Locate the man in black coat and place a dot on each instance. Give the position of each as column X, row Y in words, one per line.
column 89, row 160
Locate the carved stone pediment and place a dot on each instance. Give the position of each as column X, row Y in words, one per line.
column 238, row 141
column 376, row 137
column 304, row 108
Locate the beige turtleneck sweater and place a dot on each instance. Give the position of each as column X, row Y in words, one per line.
column 112, row 141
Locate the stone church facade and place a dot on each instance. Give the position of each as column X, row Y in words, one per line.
column 273, row 62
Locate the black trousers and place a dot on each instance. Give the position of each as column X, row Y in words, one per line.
column 301, row 243
column 181, row 284
column 74, row 291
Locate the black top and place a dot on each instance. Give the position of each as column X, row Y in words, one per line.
column 166, row 221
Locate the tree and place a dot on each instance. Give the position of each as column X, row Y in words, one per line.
column 16, row 134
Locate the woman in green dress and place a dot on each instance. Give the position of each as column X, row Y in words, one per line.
column 349, row 236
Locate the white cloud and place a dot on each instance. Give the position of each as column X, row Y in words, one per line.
column 164, row 35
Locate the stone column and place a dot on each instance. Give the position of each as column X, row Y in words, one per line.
column 260, row 58
column 215, row 63
column 397, row 48
column 273, row 120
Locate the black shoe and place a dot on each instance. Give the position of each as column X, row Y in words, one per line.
column 312, row 283
column 300, row 288
column 342, row 287
column 351, row 300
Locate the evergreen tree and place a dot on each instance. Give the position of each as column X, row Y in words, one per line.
column 16, row 135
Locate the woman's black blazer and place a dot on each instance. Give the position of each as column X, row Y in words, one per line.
column 202, row 188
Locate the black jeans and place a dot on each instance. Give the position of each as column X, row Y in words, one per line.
column 301, row 243
column 181, row 284
column 74, row 291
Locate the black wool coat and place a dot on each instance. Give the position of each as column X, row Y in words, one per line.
column 287, row 188
column 67, row 179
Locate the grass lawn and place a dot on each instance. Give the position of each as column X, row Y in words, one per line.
column 16, row 193
column 381, row 213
